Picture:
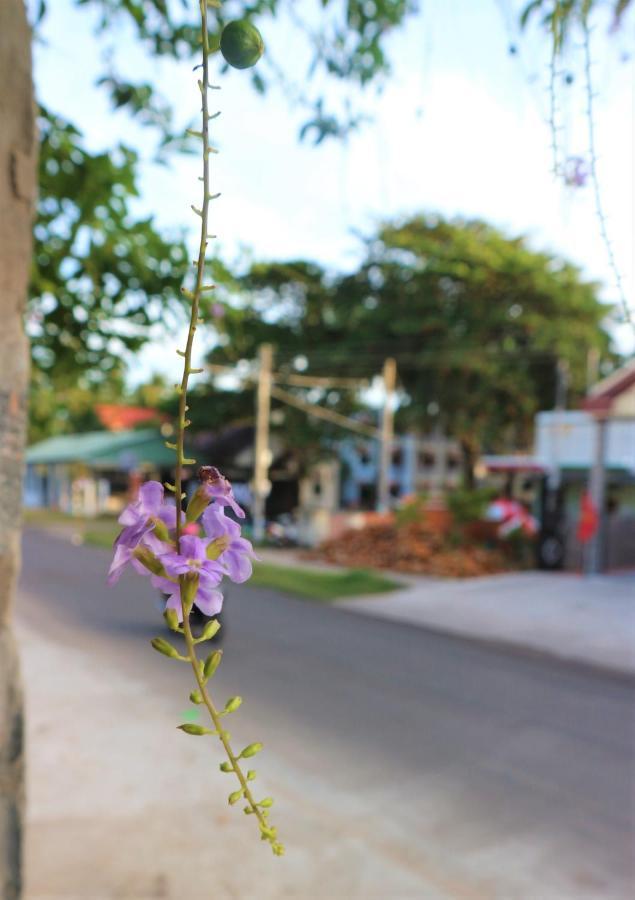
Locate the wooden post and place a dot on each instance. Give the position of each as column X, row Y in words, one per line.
column 262, row 456
column 387, row 435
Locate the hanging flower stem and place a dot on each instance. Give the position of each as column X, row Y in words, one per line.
column 628, row 318
column 204, row 670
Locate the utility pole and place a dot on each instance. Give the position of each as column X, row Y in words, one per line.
column 562, row 384
column 387, row 435
column 592, row 367
column 261, row 486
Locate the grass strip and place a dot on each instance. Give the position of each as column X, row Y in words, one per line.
column 317, row 585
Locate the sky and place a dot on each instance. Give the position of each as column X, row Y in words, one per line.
column 461, row 128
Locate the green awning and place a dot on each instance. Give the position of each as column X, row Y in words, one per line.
column 104, row 449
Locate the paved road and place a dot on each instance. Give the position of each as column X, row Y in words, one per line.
column 481, row 773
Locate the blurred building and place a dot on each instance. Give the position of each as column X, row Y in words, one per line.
column 419, row 465
column 567, row 461
column 89, row 474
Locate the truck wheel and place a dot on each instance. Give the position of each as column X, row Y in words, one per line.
column 550, row 552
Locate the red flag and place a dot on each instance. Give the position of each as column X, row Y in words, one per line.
column 589, row 519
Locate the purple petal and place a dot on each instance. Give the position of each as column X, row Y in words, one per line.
column 217, row 524
column 159, row 548
column 238, row 566
column 242, row 545
column 163, row 584
column 151, row 497
column 193, row 547
column 167, row 514
column 131, row 515
column 174, row 563
column 211, row 573
column 230, row 501
column 122, row 557
column 209, row 602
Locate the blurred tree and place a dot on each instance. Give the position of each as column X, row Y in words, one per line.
column 562, row 16
column 102, row 276
column 478, row 323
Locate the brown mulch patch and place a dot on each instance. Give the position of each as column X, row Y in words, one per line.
column 415, row 548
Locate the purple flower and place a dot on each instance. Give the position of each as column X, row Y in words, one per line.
column 138, row 519
column 137, row 516
column 216, row 487
column 124, row 554
column 193, row 558
column 239, row 553
column 208, row 599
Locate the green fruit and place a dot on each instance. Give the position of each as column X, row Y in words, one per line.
column 241, row 44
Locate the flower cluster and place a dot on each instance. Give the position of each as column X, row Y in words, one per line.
column 188, row 570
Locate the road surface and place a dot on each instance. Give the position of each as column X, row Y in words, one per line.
column 409, row 764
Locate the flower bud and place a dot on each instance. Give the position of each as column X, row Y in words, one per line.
column 147, row 558
column 232, row 704
column 195, row 729
column 278, row 848
column 160, row 529
column 212, row 663
column 199, row 502
column 251, row 774
column 196, row 697
column 212, row 628
column 217, row 546
column 234, row 797
column 166, row 649
column 251, row 750
column 189, row 587
column 226, row 767
column 267, row 802
column 172, row 619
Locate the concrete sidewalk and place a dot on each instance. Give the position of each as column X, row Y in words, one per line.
column 584, row 619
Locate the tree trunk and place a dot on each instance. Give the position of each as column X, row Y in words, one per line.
column 17, row 194
column 470, row 454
